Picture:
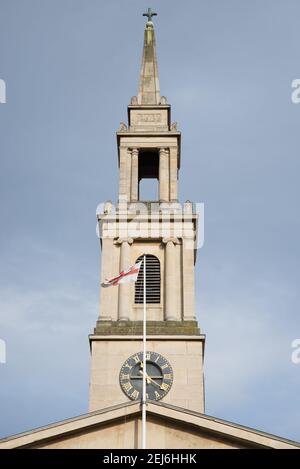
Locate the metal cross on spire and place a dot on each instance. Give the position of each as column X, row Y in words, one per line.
column 149, row 14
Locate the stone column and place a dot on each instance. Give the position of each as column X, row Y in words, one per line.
column 173, row 174
column 188, row 278
column 105, row 313
column 124, row 305
column 125, row 174
column 134, row 174
column 122, row 173
column 128, row 175
column 164, row 174
column 171, row 306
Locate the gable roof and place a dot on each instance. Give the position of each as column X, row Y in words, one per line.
column 191, row 420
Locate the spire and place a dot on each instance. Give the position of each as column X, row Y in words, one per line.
column 149, row 92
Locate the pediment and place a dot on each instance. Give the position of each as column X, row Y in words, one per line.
column 167, row 427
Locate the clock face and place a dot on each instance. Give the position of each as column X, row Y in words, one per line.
column 159, row 376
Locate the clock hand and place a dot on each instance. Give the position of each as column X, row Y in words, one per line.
column 147, row 377
column 150, row 380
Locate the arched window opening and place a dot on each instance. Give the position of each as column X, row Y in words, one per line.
column 152, row 281
column 148, row 174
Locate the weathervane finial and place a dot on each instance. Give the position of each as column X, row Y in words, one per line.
column 149, row 14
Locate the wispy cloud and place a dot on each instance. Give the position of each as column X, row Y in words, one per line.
column 248, row 367
column 46, row 374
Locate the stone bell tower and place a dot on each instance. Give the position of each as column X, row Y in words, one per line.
column 166, row 232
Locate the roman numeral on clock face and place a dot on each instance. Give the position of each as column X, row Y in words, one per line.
column 124, row 377
column 165, row 387
column 135, row 394
column 136, row 359
column 168, row 376
column 127, row 386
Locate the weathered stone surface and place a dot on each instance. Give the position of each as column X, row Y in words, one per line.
column 153, row 328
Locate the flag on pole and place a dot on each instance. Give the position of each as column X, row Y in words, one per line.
column 126, row 276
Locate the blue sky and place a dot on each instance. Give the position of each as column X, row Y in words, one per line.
column 70, row 68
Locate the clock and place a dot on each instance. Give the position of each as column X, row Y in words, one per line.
column 159, row 376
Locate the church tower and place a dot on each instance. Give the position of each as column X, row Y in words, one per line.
column 166, row 232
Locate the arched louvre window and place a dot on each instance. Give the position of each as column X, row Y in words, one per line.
column 152, row 281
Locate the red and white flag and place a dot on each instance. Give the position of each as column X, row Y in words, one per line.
column 126, row 276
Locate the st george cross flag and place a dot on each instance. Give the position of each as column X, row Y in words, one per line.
column 126, row 276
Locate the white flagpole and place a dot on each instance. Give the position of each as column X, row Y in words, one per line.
column 144, row 365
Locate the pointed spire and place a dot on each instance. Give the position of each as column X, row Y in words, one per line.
column 149, row 92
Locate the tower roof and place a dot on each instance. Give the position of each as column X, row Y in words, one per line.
column 149, row 92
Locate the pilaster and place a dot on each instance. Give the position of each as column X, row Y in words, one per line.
column 164, row 174
column 171, row 303
column 124, row 305
column 134, row 174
